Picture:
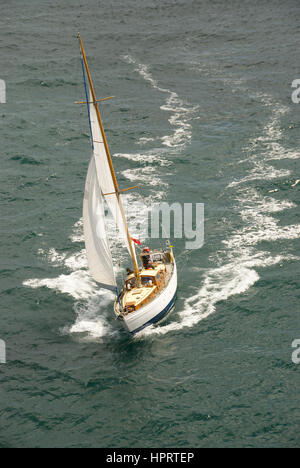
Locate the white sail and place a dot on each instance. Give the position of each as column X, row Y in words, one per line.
column 96, row 243
column 105, row 179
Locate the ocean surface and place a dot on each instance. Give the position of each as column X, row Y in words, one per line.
column 202, row 113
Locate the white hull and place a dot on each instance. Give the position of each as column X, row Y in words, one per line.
column 155, row 310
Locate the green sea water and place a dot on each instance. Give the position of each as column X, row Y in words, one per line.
column 202, row 113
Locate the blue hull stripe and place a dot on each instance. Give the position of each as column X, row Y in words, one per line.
column 157, row 317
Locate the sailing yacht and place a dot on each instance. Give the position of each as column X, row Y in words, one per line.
column 149, row 290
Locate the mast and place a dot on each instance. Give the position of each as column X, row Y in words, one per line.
column 109, row 160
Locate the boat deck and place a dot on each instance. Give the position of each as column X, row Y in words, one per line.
column 133, row 299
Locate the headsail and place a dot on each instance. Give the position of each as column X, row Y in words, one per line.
column 97, row 247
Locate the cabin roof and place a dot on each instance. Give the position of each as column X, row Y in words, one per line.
column 151, row 272
column 148, row 272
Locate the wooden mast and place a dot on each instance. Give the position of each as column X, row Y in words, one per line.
column 109, row 160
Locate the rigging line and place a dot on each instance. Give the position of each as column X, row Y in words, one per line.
column 87, row 101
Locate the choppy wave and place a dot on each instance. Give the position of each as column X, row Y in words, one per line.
column 90, row 302
column 77, row 233
column 78, row 284
column 262, row 172
column 146, row 175
column 150, row 157
column 259, row 225
column 92, row 321
column 267, row 146
column 180, row 119
column 218, row 284
column 181, row 112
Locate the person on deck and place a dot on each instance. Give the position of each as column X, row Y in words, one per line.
column 146, row 258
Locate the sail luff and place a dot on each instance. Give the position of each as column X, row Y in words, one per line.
column 109, row 160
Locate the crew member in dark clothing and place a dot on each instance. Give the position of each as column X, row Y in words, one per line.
column 146, row 258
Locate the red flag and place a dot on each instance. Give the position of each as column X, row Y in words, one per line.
column 136, row 241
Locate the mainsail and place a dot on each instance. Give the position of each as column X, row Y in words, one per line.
column 104, row 175
column 101, row 184
column 99, row 187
